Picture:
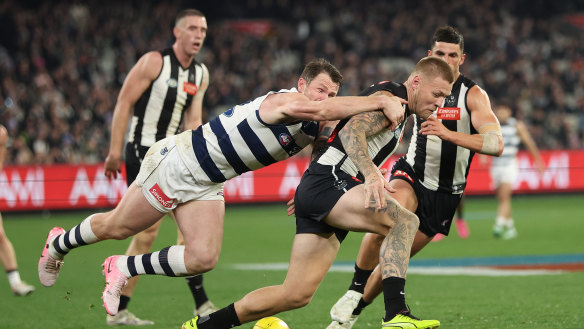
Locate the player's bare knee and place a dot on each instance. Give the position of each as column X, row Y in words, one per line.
column 201, row 262
column 120, row 234
column 298, row 299
column 402, row 215
column 207, row 264
column 412, row 222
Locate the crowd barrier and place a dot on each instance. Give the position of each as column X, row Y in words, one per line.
column 24, row 188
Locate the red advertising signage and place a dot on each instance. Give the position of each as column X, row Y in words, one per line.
column 85, row 186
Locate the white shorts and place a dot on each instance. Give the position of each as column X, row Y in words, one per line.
column 167, row 182
column 504, row 174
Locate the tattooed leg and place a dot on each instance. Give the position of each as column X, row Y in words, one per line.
column 395, row 250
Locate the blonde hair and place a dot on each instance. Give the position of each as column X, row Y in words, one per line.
column 433, row 66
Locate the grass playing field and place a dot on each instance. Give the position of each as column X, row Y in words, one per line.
column 548, row 226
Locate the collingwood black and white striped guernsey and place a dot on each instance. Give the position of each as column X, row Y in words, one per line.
column 380, row 146
column 159, row 111
column 441, row 165
column 238, row 141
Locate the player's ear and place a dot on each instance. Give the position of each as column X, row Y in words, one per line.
column 301, row 85
column 462, row 58
column 175, row 31
column 416, row 80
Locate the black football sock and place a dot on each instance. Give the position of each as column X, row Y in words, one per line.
column 197, row 290
column 124, row 301
column 360, row 277
column 362, row 304
column 393, row 296
column 225, row 318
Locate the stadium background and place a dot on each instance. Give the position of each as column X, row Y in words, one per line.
column 62, row 64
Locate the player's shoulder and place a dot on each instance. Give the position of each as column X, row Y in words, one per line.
column 464, row 80
column 474, row 90
column 151, row 58
column 389, row 86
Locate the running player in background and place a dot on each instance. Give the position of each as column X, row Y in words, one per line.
column 165, row 89
column 504, row 169
column 7, row 254
column 433, row 172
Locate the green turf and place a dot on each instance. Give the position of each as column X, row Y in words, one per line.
column 547, row 225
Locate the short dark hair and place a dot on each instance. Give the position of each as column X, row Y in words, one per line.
column 187, row 12
column 448, row 34
column 318, row 66
column 433, row 66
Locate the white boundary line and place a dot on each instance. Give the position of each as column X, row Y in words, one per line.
column 424, row 270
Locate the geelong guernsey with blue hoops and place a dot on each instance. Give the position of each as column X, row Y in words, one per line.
column 441, row 165
column 238, row 141
column 159, row 111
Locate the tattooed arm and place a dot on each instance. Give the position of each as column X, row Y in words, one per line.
column 354, row 138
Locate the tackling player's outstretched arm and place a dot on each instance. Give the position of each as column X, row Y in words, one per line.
column 288, row 107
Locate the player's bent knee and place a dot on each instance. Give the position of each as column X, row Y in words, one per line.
column 295, row 301
column 207, row 264
column 297, row 297
column 201, row 262
column 120, row 234
column 413, row 222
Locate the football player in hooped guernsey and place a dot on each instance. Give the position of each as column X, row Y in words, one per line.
column 343, row 190
column 185, row 173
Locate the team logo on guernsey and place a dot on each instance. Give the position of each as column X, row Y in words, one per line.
column 164, row 151
column 190, row 88
column 229, row 112
column 448, row 113
column 164, row 200
column 172, row 83
column 450, row 100
column 285, row 139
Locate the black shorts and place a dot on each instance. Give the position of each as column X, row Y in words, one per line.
column 317, row 194
column 134, row 156
column 435, row 209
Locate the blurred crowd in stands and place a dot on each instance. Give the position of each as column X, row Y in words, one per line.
column 62, row 63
